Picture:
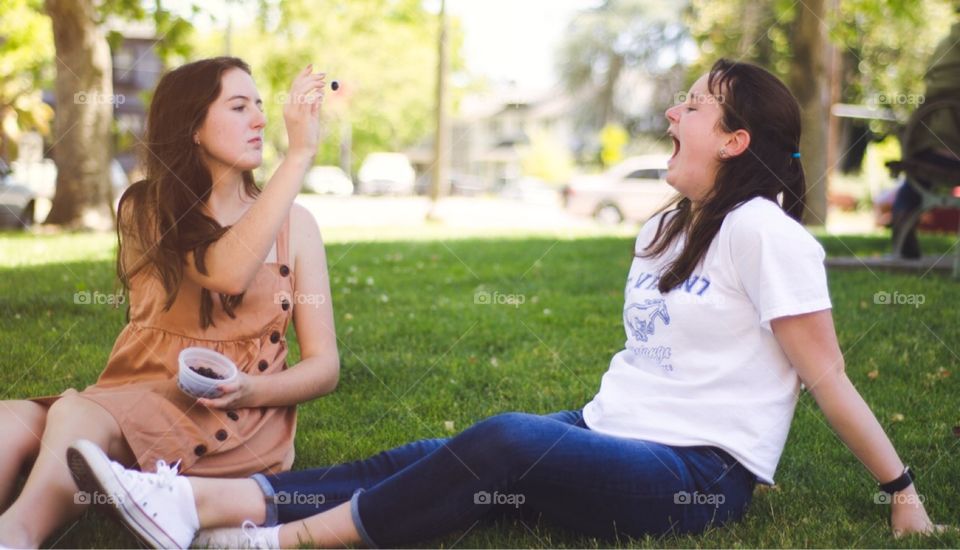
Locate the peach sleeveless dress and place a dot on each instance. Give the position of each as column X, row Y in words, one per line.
column 139, row 388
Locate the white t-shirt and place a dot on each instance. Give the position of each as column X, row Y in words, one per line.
column 701, row 364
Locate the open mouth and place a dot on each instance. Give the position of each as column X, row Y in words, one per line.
column 676, row 145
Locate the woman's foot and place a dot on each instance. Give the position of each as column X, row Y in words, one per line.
column 246, row 536
column 159, row 508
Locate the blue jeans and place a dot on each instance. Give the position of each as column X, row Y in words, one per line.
column 552, row 466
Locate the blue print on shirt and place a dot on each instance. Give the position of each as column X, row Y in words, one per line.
column 641, row 318
column 695, row 284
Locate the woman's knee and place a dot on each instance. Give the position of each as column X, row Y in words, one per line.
column 73, row 417
column 69, row 408
column 22, row 427
column 73, row 410
column 507, row 435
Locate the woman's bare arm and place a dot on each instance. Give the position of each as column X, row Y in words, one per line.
column 318, row 371
column 810, row 343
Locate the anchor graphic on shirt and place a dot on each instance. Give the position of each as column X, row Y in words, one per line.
column 640, row 318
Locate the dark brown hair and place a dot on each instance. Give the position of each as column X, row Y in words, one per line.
column 162, row 216
column 756, row 101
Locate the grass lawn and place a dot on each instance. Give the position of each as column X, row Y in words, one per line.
column 419, row 354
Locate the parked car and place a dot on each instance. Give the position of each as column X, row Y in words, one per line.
column 383, row 173
column 330, row 180
column 41, row 178
column 17, row 202
column 632, row 190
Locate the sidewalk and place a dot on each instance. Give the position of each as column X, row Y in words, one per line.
column 389, row 218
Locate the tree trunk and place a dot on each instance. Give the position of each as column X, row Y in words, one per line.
column 84, row 112
column 808, row 80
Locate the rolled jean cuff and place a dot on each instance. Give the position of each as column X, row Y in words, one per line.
column 357, row 522
column 269, row 500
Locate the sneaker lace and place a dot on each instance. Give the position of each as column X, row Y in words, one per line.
column 254, row 538
column 166, row 474
column 163, row 478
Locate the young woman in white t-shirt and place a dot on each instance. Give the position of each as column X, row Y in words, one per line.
column 726, row 312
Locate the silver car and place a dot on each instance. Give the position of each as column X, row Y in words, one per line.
column 17, row 202
column 633, row 190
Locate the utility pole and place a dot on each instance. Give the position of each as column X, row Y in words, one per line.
column 438, row 187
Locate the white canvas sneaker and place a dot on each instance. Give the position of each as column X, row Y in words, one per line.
column 246, row 536
column 159, row 508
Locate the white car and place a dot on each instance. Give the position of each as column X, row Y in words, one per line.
column 330, row 180
column 41, row 178
column 383, row 173
column 633, row 190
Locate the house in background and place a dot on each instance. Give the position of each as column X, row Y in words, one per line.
column 489, row 133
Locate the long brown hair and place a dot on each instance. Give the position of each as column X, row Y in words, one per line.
column 756, row 101
column 162, row 216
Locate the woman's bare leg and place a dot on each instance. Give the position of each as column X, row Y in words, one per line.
column 227, row 502
column 49, row 498
column 331, row 529
column 21, row 427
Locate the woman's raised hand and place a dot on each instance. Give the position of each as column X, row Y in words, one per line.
column 301, row 113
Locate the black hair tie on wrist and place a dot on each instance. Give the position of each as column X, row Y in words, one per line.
column 899, row 484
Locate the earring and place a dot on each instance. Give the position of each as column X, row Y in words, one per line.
column 723, row 153
column 196, row 140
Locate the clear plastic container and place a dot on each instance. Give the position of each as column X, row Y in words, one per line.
column 195, row 383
